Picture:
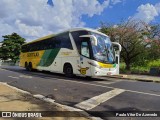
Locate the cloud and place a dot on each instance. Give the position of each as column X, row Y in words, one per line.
column 147, row 12
column 157, row 6
column 35, row 18
column 116, row 1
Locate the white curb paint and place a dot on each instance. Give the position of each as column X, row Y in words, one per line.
column 13, row 77
column 44, row 98
column 25, row 76
column 95, row 101
column 3, row 69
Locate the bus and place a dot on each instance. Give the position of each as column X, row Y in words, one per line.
column 77, row 51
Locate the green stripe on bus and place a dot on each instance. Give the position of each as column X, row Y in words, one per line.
column 48, row 57
column 114, row 65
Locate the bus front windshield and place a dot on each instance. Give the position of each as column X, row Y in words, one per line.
column 103, row 51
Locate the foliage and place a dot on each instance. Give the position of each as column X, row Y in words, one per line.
column 134, row 69
column 122, row 68
column 151, row 30
column 152, row 33
column 154, row 50
column 130, row 36
column 11, row 47
column 141, row 69
column 154, row 63
column 140, row 41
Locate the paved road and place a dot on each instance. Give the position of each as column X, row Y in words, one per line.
column 105, row 94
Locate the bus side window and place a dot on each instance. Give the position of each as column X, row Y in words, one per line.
column 23, row 48
column 85, row 49
column 57, row 42
column 39, row 45
column 65, row 41
column 28, row 48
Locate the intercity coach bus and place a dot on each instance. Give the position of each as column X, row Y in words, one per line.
column 78, row 51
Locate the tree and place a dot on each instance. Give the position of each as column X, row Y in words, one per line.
column 152, row 33
column 130, row 35
column 11, row 46
column 154, row 50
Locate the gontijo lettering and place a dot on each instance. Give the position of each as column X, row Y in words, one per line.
column 33, row 54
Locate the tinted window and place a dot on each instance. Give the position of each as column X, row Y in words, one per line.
column 78, row 39
column 59, row 41
column 63, row 41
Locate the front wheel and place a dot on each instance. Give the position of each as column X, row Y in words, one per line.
column 68, row 70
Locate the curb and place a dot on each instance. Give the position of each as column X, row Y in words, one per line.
column 49, row 100
column 137, row 79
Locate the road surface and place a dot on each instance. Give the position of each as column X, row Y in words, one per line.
column 89, row 94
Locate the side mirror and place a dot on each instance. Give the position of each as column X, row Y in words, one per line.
column 118, row 45
column 92, row 37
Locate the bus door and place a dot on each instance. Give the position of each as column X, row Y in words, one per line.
column 85, row 67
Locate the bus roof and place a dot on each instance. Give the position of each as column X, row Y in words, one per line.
column 39, row 39
column 87, row 29
column 69, row 30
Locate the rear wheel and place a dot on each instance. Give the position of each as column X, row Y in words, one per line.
column 68, row 70
column 30, row 67
column 26, row 66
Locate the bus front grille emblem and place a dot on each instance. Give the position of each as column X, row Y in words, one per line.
column 83, row 70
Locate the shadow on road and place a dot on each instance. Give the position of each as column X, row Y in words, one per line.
column 109, row 113
column 47, row 74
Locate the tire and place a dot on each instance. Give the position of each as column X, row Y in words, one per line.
column 26, row 66
column 88, row 77
column 30, row 67
column 68, row 70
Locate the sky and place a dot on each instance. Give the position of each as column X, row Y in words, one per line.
column 32, row 19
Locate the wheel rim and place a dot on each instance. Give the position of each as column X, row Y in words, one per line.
column 30, row 67
column 69, row 70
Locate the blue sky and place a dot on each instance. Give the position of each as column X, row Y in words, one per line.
column 118, row 12
column 36, row 18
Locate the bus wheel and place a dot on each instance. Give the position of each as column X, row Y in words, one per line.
column 26, row 66
column 68, row 70
column 30, row 67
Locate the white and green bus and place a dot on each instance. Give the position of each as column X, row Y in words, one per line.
column 78, row 51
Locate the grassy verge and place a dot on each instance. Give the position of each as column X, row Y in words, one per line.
column 140, row 69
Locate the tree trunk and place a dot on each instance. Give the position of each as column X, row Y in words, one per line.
column 128, row 67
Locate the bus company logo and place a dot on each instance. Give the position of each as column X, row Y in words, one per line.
column 83, row 70
column 6, row 114
column 33, row 54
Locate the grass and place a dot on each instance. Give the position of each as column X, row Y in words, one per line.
column 134, row 70
column 140, row 69
column 154, row 63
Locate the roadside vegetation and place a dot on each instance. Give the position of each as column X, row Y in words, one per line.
column 11, row 47
column 140, row 45
column 141, row 69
